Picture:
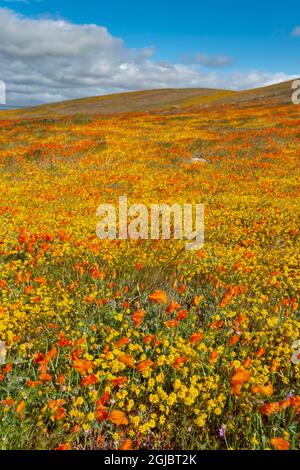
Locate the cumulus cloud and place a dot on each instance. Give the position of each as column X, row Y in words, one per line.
column 47, row 60
column 296, row 31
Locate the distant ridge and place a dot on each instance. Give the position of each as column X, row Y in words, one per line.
column 170, row 99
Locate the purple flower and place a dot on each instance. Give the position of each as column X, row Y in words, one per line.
column 222, row 430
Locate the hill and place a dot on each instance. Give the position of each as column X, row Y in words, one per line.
column 161, row 99
column 121, row 102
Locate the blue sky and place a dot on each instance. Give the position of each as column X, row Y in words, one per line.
column 215, row 38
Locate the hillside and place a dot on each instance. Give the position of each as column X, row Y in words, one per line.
column 122, row 102
column 157, row 100
column 142, row 340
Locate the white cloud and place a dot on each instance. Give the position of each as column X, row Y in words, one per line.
column 296, row 31
column 46, row 60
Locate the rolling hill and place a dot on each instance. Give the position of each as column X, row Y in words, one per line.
column 154, row 100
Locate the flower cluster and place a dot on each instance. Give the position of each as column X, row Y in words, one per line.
column 141, row 344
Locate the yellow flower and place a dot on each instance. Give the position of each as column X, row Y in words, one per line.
column 162, row 420
column 201, row 420
column 79, row 401
column 91, row 416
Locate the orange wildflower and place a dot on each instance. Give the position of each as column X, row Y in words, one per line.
column 127, row 360
column 61, row 380
column 216, row 325
column 101, row 413
column 172, row 307
column 240, row 377
column 44, row 377
column 233, row 340
column 82, row 366
column 33, row 383
column 144, row 365
column 137, row 318
column 65, row 446
column 20, row 407
column 148, row 339
column 214, row 356
column 89, row 380
column 118, row 418
column 121, row 342
column 158, row 297
column 280, row 444
column 179, row 362
column 171, row 323
column 127, row 445
column 260, row 352
column 266, row 390
column 119, row 381
column 182, row 315
column 196, row 337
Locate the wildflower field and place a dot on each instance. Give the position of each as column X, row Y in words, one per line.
column 143, row 344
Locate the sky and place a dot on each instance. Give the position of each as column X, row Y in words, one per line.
column 53, row 50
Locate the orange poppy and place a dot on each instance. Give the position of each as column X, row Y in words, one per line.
column 50, row 355
column 118, row 418
column 158, row 297
column 172, row 307
column 196, row 337
column 280, row 444
column 33, row 383
column 171, row 323
column 182, row 315
column 20, row 407
column 54, row 404
column 260, row 352
column 214, row 356
column 101, row 413
column 103, row 399
column 60, row 414
column 121, row 342
column 127, row 445
column 38, row 357
column 266, row 390
column 65, row 446
column 217, row 325
column 144, row 365
column 148, row 339
column 269, row 408
column 181, row 289
column 119, row 381
column 179, row 362
column 82, row 366
column 240, row 377
column 44, row 377
column 247, row 362
column 233, row 340
column 226, row 300
column 137, row 318
column 127, row 360
column 89, row 380
column 61, row 380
